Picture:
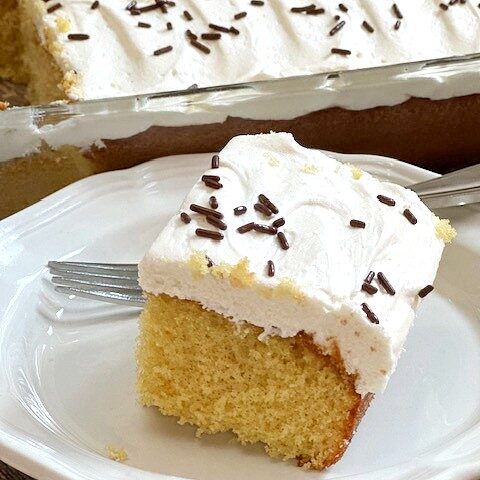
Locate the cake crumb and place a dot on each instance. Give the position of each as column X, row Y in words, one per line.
column 272, row 161
column 117, row 454
column 285, row 289
column 356, row 172
column 444, row 230
column 4, row 106
column 310, row 169
column 241, row 276
column 63, row 24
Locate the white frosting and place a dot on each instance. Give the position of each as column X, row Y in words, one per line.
column 327, row 259
column 273, row 42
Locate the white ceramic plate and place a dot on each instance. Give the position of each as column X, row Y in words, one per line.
column 67, row 368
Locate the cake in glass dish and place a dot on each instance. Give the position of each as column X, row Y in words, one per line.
column 280, row 296
column 363, row 77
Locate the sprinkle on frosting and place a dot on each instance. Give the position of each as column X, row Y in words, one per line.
column 53, row 8
column 213, row 202
column 260, row 228
column 283, row 240
column 210, row 36
column 397, row 11
column 337, row 28
column 78, row 36
column 370, row 315
column 425, row 291
column 205, row 211
column 240, row 210
column 369, row 277
column 240, row 15
column 215, row 178
column 265, row 201
column 213, row 184
column 410, row 216
column 95, row 5
column 260, row 207
column 382, row 279
column 144, row 25
column 357, row 223
column 270, row 268
column 279, row 222
column 163, row 50
column 342, row 7
column 187, row 15
column 169, row 26
column 215, row 161
column 257, row 3
column 341, row 51
column 219, row 28
column 370, row 289
column 216, row 222
column 386, row 200
column 443, row 6
column 397, row 24
column 202, row 232
column 200, row 46
column 185, row 217
column 246, row 228
column 367, row 27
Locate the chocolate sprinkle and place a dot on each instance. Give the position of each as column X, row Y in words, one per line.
column 337, row 28
column 135, row 11
column 397, row 24
column 163, row 50
column 246, row 228
column 257, row 3
column 270, row 268
column 370, row 315
column 258, row 227
column 200, row 46
column 357, row 223
column 190, row 35
column 443, row 6
column 202, row 232
column 78, row 36
column 213, row 184
column 219, row 28
column 279, row 222
column 367, row 27
column 340, row 51
column 216, row 222
column 259, row 207
column 342, row 7
column 213, row 202
column 187, row 15
column 386, row 200
column 410, row 216
column 54, row 7
column 382, row 279
column 215, row 161
column 397, row 11
column 234, row 31
column 131, row 5
column 210, row 177
column 205, row 211
column 283, row 240
column 370, row 289
column 209, row 261
column 240, row 15
column 263, row 199
column 425, row 291
column 185, row 217
column 95, row 5
column 144, row 25
column 169, row 26
column 369, row 277
column 211, row 36
column 317, row 11
column 149, row 8
column 240, row 210
column 307, row 8
column 336, row 17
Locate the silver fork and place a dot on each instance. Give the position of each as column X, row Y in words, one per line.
column 107, row 282
column 118, row 283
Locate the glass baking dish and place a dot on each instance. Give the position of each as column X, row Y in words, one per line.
column 425, row 113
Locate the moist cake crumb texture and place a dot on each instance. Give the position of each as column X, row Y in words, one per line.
column 280, row 311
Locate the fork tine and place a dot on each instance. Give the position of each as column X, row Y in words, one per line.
column 120, row 298
column 89, row 281
column 58, row 268
column 124, row 267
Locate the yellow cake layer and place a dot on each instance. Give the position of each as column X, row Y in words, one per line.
column 197, row 365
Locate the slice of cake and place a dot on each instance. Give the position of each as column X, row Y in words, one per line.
column 280, row 295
